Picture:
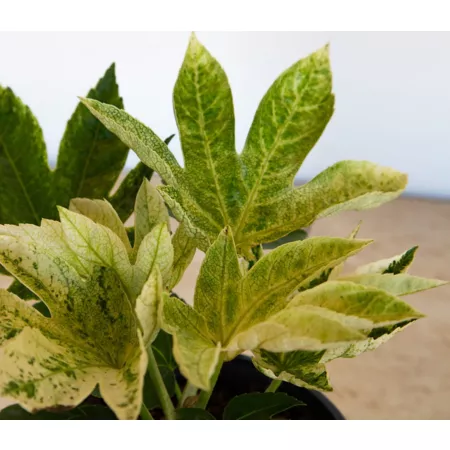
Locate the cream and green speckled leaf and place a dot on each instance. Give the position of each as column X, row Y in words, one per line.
column 155, row 251
column 101, row 212
column 149, row 306
column 252, row 192
column 356, row 300
column 217, row 297
column 204, row 112
column 300, row 368
column 149, row 210
column 397, row 264
column 401, row 284
column 148, row 146
column 194, row 349
column 97, row 244
column 300, row 328
column 90, row 339
column 183, row 252
column 289, row 267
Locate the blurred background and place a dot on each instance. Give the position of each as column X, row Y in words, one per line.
column 392, row 108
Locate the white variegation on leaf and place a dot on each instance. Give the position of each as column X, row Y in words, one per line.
column 252, row 192
column 236, row 311
column 91, row 338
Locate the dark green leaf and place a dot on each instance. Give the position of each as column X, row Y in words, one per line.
column 258, row 406
column 42, row 308
column 82, row 412
column 194, row 414
column 123, row 199
column 25, row 177
column 399, row 266
column 297, row 235
column 21, row 291
column 3, row 271
column 162, row 348
column 130, row 234
column 90, row 157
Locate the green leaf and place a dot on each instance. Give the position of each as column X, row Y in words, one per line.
column 299, row 368
column 204, row 112
column 148, row 146
column 183, row 252
column 290, row 119
column 259, row 406
column 149, row 211
column 216, row 295
column 194, row 414
column 21, row 291
column 149, row 305
column 101, row 212
column 347, row 185
column 25, row 177
column 357, row 300
column 194, row 350
column 401, row 284
column 297, row 235
column 162, row 349
column 42, row 308
column 81, row 412
column 395, row 265
column 123, row 199
column 90, row 157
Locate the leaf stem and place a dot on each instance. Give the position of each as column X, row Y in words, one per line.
column 273, row 386
column 160, row 387
column 189, row 391
column 178, row 391
column 145, row 413
column 204, row 396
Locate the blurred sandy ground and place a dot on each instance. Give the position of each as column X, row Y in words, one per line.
column 409, row 377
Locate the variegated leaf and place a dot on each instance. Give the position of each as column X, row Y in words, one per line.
column 300, row 368
column 149, row 211
column 101, row 212
column 355, row 300
column 397, row 264
column 194, row 349
column 183, row 253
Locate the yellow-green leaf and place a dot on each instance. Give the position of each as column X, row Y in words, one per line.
column 401, row 284
column 205, row 117
column 397, row 264
column 149, row 305
column 149, row 211
column 356, row 300
column 183, row 253
column 216, row 294
column 194, row 350
column 101, row 212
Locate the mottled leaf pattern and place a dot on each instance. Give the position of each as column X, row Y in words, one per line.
column 149, row 211
column 25, row 177
column 301, row 368
column 90, row 157
column 397, row 264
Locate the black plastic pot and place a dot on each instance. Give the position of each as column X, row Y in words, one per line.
column 240, row 377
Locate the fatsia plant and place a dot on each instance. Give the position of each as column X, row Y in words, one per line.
column 252, row 193
column 103, row 295
column 90, row 161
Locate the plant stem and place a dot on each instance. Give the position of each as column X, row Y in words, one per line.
column 158, row 382
column 189, row 391
column 145, row 413
column 178, row 391
column 204, row 396
column 273, row 386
